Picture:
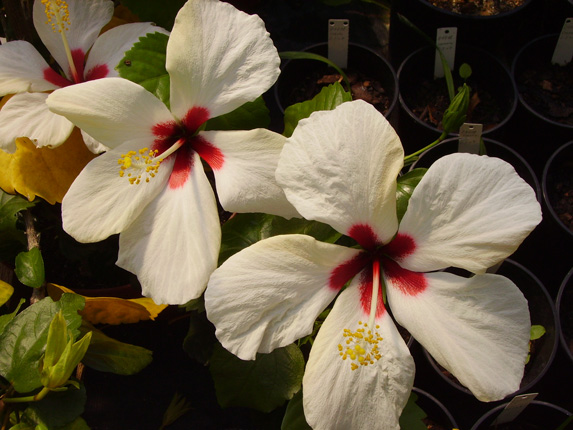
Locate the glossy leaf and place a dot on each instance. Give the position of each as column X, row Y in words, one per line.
column 246, row 117
column 5, row 319
column 328, row 98
column 30, row 268
column 262, row 384
column 294, row 415
column 109, row 355
column 405, row 188
column 24, row 338
column 144, row 64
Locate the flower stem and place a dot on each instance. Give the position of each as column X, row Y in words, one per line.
column 35, row 398
column 414, row 156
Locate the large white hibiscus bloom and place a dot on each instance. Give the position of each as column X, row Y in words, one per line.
column 340, row 168
column 69, row 29
column 158, row 196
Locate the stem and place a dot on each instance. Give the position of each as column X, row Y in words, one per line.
column 35, row 398
column 33, row 242
column 412, row 157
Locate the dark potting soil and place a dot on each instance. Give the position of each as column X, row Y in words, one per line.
column 548, row 89
column 432, row 100
column 561, row 196
column 477, row 7
column 431, row 425
column 361, row 87
column 566, row 317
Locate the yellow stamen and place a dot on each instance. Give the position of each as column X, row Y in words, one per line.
column 59, row 19
column 361, row 346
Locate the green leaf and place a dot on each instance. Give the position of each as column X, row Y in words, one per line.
column 5, row 319
column 455, row 114
column 249, row 116
column 144, row 64
column 412, row 415
column 536, row 332
column 162, row 13
column 245, row 229
column 30, row 268
column 294, row 415
column 6, row 291
column 13, row 239
column 304, row 55
column 405, row 188
column 328, row 98
column 24, row 338
column 59, row 410
column 465, row 71
column 262, row 384
column 109, row 355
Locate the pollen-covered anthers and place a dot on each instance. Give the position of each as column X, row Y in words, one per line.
column 137, row 164
column 360, row 346
column 58, row 15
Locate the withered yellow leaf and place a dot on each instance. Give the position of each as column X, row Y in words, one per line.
column 6, row 291
column 112, row 310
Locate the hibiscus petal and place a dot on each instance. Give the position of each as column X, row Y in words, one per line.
column 86, row 19
column 27, row 115
column 373, row 396
column 340, row 167
column 173, row 245
column 111, row 110
column 92, row 144
column 477, row 328
column 110, row 48
column 269, row 294
column 218, row 58
column 22, row 69
column 245, row 170
column 101, row 203
column 468, row 211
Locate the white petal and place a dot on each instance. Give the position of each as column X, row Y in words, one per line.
column 173, row 245
column 245, row 171
column 92, row 144
column 110, row 47
column 111, row 110
column 218, row 58
column 373, row 396
column 22, row 69
column 468, row 211
column 477, row 328
column 340, row 167
column 27, row 115
column 101, row 203
column 86, row 19
column 269, row 294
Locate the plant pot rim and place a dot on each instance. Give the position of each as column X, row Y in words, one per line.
column 545, row 190
column 548, row 362
column 460, row 46
column 392, row 72
column 499, row 407
column 522, row 101
column 462, row 16
column 536, row 188
column 558, row 301
column 438, row 403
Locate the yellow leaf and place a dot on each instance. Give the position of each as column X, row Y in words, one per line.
column 112, row 310
column 6, row 291
column 6, row 173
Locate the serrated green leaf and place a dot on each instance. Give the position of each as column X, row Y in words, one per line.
column 245, row 229
column 144, row 64
column 405, row 188
column 294, row 415
column 24, row 338
column 59, row 410
column 161, row 13
column 30, row 268
column 412, row 415
column 328, row 98
column 262, row 384
column 109, row 355
column 249, row 116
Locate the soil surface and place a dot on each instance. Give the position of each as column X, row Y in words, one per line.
column 477, row 7
column 548, row 89
column 561, row 196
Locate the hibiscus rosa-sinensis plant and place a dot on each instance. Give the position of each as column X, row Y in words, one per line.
column 340, row 167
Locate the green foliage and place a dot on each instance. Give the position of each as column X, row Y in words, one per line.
column 405, row 188
column 465, row 71
column 109, row 355
column 5, row 319
column 294, row 415
column 246, row 117
column 144, row 64
column 536, row 332
column 24, row 338
column 30, row 268
column 412, row 415
column 13, row 239
column 328, row 98
column 455, row 114
column 245, row 229
column 178, row 407
column 59, row 410
column 302, row 55
column 262, row 384
column 163, row 14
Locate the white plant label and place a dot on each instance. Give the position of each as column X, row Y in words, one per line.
column 514, row 408
column 470, row 138
column 446, row 41
column 338, row 41
column 564, row 48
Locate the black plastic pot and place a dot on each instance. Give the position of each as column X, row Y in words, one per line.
column 436, row 411
column 564, row 305
column 493, row 149
column 489, row 77
column 542, row 312
column 501, row 34
column 537, row 416
column 360, row 58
